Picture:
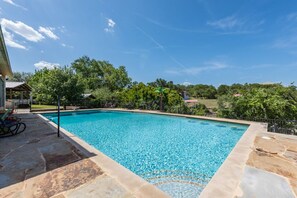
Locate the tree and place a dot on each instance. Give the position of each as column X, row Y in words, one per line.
column 48, row 84
column 114, row 78
column 21, row 76
column 139, row 96
column 202, row 91
column 223, row 90
column 271, row 103
column 160, row 91
column 96, row 74
column 159, row 82
column 89, row 71
column 104, row 97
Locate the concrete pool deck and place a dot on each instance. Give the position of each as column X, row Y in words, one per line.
column 69, row 167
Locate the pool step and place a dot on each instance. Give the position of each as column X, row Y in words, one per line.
column 177, row 183
column 186, row 175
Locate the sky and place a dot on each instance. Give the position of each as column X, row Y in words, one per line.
column 188, row 42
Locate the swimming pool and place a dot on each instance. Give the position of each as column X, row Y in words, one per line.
column 178, row 155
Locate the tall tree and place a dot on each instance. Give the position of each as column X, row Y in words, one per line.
column 48, row 84
column 21, row 76
column 96, row 74
column 161, row 91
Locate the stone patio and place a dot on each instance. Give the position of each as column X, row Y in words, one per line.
column 272, row 167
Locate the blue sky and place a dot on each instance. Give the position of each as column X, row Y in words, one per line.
column 193, row 41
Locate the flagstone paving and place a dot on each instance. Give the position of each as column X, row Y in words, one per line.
column 272, row 165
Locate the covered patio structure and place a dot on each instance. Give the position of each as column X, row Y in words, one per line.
column 18, row 93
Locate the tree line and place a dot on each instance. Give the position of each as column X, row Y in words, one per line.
column 112, row 87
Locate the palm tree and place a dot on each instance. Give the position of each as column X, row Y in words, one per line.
column 160, row 91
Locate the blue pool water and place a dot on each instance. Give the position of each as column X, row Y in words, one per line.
column 178, row 155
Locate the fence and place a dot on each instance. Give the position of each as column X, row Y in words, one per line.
column 279, row 125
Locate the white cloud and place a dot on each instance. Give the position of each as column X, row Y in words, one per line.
column 290, row 41
column 14, row 4
column 173, row 28
column 65, row 45
column 62, row 29
column 158, row 45
column 110, row 26
column 233, row 25
column 44, row 64
column 48, row 31
column 186, row 83
column 207, row 66
column 22, row 29
column 292, row 16
column 226, row 23
column 9, row 40
column 288, row 38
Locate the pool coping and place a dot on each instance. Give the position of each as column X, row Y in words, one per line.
column 223, row 184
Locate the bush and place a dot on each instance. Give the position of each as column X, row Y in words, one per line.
column 199, row 109
column 270, row 103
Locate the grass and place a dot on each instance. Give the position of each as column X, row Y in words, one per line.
column 36, row 106
column 209, row 103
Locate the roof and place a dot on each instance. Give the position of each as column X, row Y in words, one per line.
column 18, row 86
column 88, row 96
column 268, row 83
column 5, row 68
column 191, row 101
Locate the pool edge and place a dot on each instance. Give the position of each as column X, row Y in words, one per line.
column 232, row 168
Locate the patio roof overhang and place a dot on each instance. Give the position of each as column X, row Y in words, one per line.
column 5, row 68
column 18, row 86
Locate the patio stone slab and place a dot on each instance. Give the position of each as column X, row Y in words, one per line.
column 269, row 145
column 65, row 178
column 67, row 154
column 58, row 196
column 278, row 155
column 103, row 186
column 20, row 164
column 291, row 155
column 273, row 163
column 259, row 183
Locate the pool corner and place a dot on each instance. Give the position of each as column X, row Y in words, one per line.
column 225, row 183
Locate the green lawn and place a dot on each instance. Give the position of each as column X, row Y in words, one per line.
column 36, row 106
column 209, row 103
